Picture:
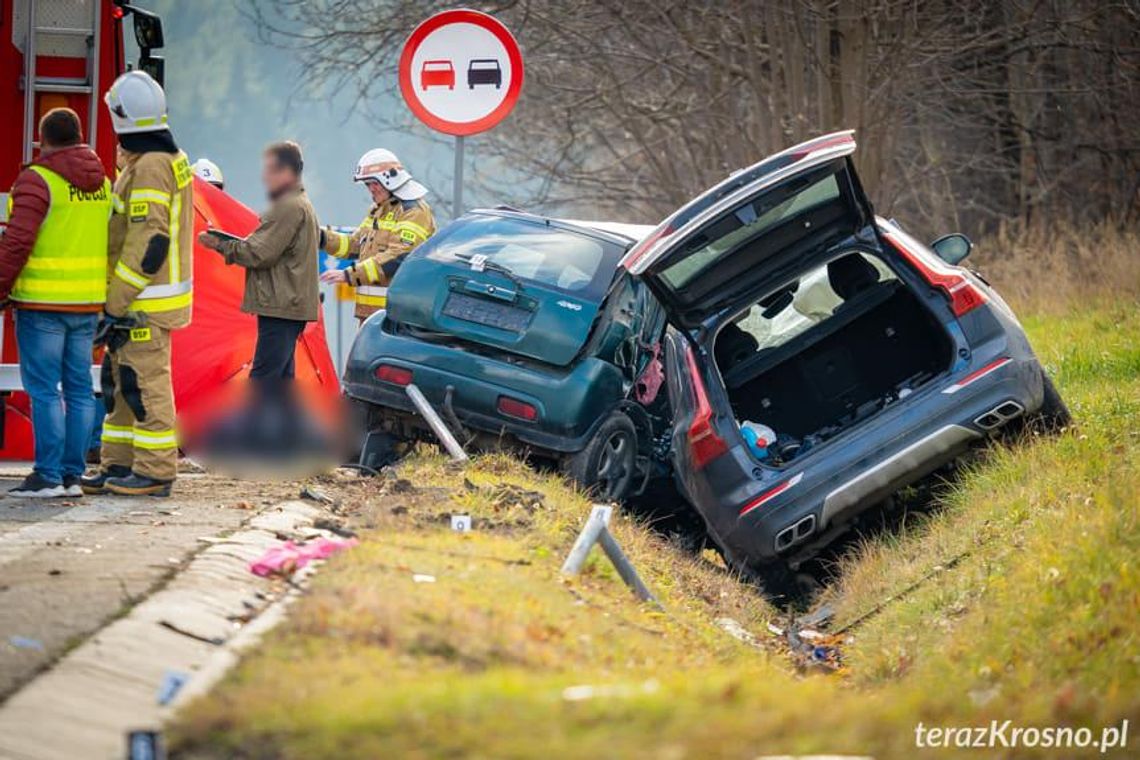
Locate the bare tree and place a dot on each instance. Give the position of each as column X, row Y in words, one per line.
column 967, row 113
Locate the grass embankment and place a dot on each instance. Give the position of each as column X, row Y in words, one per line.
column 1018, row 600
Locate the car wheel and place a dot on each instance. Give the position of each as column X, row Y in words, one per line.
column 1054, row 414
column 607, row 467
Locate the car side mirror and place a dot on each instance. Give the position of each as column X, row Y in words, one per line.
column 952, row 248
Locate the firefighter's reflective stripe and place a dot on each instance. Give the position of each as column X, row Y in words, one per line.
column 341, row 246
column 153, row 292
column 70, row 249
column 130, row 276
column 164, row 297
column 417, row 232
column 370, row 269
column 150, row 195
column 155, row 439
column 371, row 295
column 117, row 204
column 118, row 433
column 175, row 224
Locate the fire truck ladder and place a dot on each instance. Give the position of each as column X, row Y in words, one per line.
column 52, row 28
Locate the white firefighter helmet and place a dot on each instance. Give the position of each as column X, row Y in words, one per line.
column 209, row 171
column 382, row 166
column 137, row 104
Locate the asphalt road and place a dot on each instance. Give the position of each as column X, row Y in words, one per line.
column 68, row 567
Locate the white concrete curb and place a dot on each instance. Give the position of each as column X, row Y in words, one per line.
column 85, row 705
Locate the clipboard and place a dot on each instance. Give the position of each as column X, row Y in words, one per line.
column 223, row 235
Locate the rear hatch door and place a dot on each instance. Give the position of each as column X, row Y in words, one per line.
column 519, row 283
column 714, row 252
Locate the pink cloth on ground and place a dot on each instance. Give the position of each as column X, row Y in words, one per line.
column 288, row 558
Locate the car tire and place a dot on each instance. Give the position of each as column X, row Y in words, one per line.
column 1054, row 415
column 607, row 466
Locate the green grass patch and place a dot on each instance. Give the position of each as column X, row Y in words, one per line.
column 1018, row 599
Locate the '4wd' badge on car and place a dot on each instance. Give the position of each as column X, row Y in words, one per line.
column 570, row 306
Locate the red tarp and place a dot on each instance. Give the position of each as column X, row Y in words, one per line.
column 211, row 357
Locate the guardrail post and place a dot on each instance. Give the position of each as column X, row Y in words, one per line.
column 596, row 531
column 438, row 426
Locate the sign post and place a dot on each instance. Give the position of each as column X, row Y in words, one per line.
column 461, row 73
column 457, row 181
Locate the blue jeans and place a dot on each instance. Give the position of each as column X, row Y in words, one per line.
column 55, row 355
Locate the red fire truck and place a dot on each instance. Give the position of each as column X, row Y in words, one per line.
column 67, row 53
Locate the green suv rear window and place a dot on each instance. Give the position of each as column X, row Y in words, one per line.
column 533, row 252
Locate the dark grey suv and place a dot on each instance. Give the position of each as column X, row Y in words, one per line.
column 865, row 358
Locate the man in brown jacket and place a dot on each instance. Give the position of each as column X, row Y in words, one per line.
column 280, row 259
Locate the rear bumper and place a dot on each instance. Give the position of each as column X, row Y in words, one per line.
column 752, row 508
column 571, row 401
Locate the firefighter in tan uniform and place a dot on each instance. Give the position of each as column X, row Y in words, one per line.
column 399, row 220
column 149, row 293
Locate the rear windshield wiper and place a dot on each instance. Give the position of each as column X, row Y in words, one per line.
column 480, row 263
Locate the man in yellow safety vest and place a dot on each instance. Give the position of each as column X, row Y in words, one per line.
column 53, row 269
column 149, row 293
column 399, row 220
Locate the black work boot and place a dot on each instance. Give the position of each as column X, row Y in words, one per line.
column 97, row 483
column 138, row 485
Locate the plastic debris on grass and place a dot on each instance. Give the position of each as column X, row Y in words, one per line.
column 583, row 692
column 172, row 683
column 810, row 649
column 289, row 557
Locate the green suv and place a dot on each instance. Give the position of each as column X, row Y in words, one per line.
column 524, row 334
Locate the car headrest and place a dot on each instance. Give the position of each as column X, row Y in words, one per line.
column 850, row 275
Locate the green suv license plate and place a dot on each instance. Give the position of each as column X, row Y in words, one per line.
column 503, row 316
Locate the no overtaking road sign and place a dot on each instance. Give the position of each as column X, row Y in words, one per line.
column 461, row 73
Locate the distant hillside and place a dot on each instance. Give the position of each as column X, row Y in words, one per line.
column 229, row 95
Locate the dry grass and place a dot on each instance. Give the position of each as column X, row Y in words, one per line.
column 1058, row 268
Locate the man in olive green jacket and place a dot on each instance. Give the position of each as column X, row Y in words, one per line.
column 280, row 259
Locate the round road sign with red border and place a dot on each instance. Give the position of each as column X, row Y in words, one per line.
column 461, row 72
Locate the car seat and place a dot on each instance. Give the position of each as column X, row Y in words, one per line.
column 733, row 345
column 850, row 275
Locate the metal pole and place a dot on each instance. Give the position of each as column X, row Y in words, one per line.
column 428, row 413
column 30, row 83
column 93, row 76
column 595, row 524
column 624, row 567
column 457, row 188
column 596, row 531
